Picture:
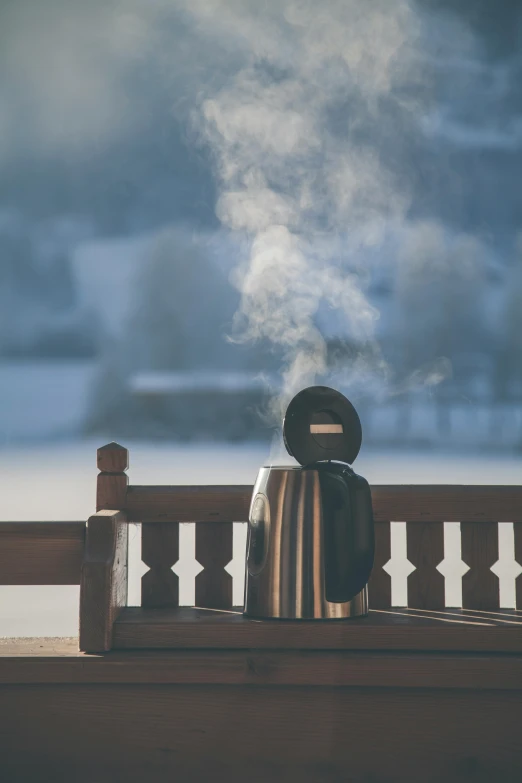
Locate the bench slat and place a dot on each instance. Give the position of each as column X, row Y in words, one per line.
column 48, row 661
column 41, row 553
column 398, row 503
column 395, row 629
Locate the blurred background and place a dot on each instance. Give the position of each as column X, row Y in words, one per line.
column 116, row 296
column 206, row 206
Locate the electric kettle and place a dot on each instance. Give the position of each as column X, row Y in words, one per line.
column 310, row 544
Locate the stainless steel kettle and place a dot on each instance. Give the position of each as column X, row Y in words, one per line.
column 310, row 545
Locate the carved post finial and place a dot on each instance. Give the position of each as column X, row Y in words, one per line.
column 113, row 461
column 113, row 458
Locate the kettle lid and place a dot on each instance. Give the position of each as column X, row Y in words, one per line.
column 321, row 424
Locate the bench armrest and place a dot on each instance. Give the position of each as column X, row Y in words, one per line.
column 103, row 585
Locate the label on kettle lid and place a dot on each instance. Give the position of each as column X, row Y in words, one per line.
column 321, row 424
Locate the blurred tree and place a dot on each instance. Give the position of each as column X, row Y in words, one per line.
column 38, row 314
column 182, row 315
column 508, row 354
column 440, row 291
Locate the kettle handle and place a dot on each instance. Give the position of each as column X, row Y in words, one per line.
column 348, row 532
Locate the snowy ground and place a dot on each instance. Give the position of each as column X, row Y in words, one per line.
column 57, row 482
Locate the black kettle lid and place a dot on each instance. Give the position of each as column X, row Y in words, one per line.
column 321, row 424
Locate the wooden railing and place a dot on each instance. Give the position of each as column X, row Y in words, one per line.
column 429, row 693
column 95, row 554
column 41, row 553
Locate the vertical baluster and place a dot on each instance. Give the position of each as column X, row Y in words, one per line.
column 425, row 548
column 479, row 551
column 160, row 551
column 214, row 552
column 379, row 587
column 517, row 529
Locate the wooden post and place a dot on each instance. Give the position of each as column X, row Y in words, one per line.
column 425, row 547
column 214, row 552
column 103, row 585
column 111, row 490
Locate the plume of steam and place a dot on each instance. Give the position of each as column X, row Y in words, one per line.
column 306, row 187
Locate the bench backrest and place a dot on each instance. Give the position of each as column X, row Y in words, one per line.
column 53, row 552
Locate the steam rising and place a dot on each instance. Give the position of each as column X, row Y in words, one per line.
column 340, row 131
column 307, row 189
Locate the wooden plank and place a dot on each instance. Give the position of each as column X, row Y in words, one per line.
column 498, row 618
column 401, row 503
column 451, row 503
column 379, row 586
column 281, row 735
column 103, row 587
column 480, row 588
column 41, row 553
column 160, row 551
column 60, row 662
column 425, row 550
column 517, row 529
column 383, row 630
column 55, row 647
column 188, row 504
column 214, row 552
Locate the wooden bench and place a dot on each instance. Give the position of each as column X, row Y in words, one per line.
column 159, row 692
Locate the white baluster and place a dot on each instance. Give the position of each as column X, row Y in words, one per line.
column 236, row 567
column 452, row 567
column 187, row 567
column 506, row 568
column 398, row 566
column 136, row 566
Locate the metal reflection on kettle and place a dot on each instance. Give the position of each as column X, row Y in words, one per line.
column 310, row 546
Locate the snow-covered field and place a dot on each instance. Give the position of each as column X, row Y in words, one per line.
column 56, row 481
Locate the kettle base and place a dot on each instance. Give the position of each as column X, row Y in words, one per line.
column 356, row 607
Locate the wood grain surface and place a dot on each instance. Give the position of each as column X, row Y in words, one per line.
column 112, row 482
column 213, row 552
column 379, row 586
column 188, row 504
column 24, row 661
column 103, row 587
column 111, row 491
column 112, row 458
column 398, row 503
column 480, row 588
column 160, row 551
column 448, row 503
column 41, row 553
column 425, row 550
column 158, row 732
column 401, row 629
